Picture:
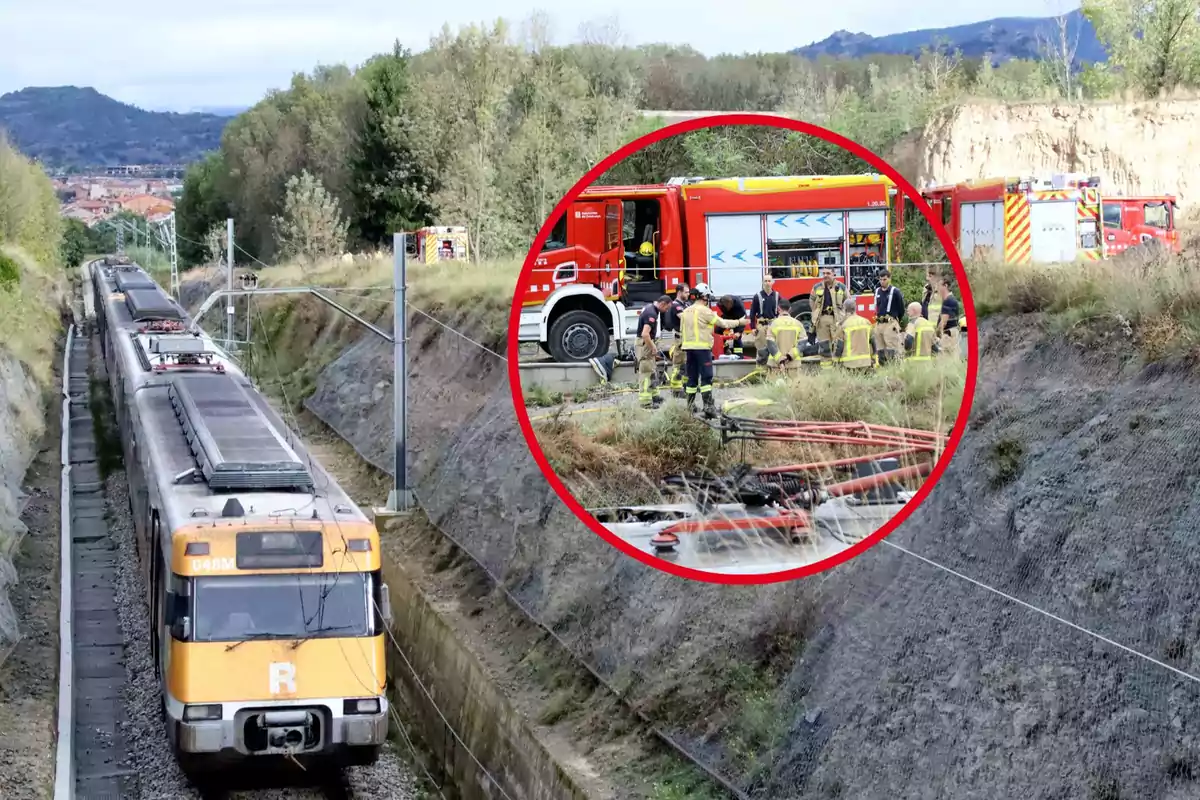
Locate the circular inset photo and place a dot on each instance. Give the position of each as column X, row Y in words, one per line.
column 740, row 349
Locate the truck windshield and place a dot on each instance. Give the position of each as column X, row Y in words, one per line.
column 230, row 608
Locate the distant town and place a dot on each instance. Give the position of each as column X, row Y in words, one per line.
column 91, row 199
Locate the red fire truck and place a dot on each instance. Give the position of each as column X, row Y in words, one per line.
column 1049, row 219
column 595, row 272
column 1022, row 220
column 1132, row 221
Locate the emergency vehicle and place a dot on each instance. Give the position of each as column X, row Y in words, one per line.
column 619, row 247
column 1022, row 220
column 443, row 243
column 1132, row 221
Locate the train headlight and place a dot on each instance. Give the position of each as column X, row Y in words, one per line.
column 200, row 713
column 369, row 705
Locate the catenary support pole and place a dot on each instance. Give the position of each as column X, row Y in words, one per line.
column 401, row 498
column 229, row 283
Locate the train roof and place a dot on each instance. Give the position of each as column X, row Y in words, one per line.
column 205, row 433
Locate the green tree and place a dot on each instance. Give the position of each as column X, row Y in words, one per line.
column 392, row 184
column 1155, row 42
column 311, row 225
column 77, row 242
column 204, row 204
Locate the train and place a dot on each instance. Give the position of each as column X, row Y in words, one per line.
column 268, row 609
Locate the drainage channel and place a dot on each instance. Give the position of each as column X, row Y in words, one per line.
column 98, row 748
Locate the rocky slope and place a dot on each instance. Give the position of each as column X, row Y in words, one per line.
column 887, row 677
column 1145, row 147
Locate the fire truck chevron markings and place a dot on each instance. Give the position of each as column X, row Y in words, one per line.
column 717, row 256
column 780, row 220
column 738, row 255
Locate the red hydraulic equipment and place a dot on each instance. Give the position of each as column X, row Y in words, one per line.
column 920, row 448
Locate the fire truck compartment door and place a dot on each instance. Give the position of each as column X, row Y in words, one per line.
column 735, row 253
column 872, row 221
column 981, row 226
column 1052, row 230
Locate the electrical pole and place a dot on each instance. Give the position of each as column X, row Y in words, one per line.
column 229, row 283
column 120, row 240
column 400, row 499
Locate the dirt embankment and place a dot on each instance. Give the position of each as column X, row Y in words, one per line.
column 887, row 677
column 1136, row 148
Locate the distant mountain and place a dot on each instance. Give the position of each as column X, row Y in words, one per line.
column 1005, row 38
column 69, row 126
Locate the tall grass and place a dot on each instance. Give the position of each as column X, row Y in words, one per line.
column 620, row 454
column 1158, row 298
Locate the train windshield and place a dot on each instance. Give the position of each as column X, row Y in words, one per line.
column 231, row 608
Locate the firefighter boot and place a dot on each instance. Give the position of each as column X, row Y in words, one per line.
column 710, row 405
column 691, row 401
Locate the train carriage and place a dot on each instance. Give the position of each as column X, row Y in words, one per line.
column 267, row 605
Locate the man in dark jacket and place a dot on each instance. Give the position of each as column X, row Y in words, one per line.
column 889, row 310
column 670, row 322
column 764, row 308
column 730, row 308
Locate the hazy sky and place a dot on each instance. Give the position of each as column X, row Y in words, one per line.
column 229, row 52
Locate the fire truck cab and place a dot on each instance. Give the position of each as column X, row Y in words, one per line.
column 430, row 245
column 1133, row 221
column 620, row 247
column 1022, row 220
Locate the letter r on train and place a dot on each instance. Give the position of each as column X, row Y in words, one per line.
column 283, row 674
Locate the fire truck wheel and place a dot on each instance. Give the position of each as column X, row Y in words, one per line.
column 801, row 310
column 577, row 336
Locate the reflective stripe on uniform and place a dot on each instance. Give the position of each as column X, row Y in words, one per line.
column 696, row 334
column 848, row 354
column 923, row 334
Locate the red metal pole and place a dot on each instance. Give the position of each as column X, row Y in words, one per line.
column 875, row 481
column 841, row 462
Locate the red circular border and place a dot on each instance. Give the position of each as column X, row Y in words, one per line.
column 514, row 373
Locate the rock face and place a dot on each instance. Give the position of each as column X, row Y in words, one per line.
column 1072, row 492
column 1136, row 148
column 22, row 422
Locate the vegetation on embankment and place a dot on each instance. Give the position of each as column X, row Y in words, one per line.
column 1155, row 300
column 32, row 289
column 619, row 455
column 449, row 293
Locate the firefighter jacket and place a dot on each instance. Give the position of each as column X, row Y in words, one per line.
column 788, row 332
column 765, row 306
column 821, row 301
column 856, row 342
column 919, row 341
column 696, row 325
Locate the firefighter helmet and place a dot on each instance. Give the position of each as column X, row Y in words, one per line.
column 647, row 249
column 700, row 290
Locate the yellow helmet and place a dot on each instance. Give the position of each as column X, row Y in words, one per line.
column 647, row 249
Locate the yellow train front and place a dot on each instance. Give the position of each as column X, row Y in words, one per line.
column 276, row 642
column 267, row 606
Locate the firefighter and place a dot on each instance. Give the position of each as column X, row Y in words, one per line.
column 764, row 308
column 647, row 351
column 929, row 279
column 670, row 322
column 729, row 308
column 919, row 336
column 788, row 333
column 889, row 308
column 949, row 318
column 697, row 323
column 852, row 348
column 825, row 302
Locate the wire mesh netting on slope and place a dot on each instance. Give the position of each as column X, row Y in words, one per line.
column 889, row 676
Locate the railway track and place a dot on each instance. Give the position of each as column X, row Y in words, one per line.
column 112, row 740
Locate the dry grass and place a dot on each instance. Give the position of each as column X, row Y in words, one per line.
column 1159, row 299
column 436, row 285
column 619, row 454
